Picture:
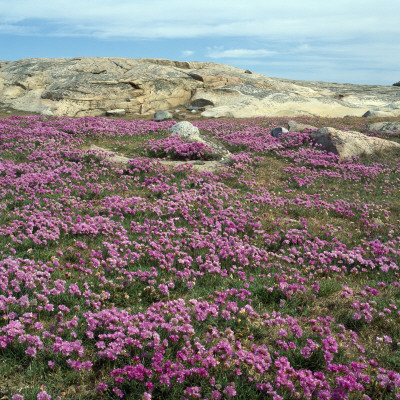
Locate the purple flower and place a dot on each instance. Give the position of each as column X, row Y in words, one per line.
column 43, row 396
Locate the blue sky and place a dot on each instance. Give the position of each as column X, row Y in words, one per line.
column 350, row 41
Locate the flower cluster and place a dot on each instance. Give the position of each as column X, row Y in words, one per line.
column 174, row 147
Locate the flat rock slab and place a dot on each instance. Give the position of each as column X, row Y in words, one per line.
column 197, row 165
column 351, row 143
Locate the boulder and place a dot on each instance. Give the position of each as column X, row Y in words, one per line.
column 186, row 131
column 351, row 143
column 191, row 133
column 278, row 131
column 384, row 127
column 162, row 116
column 295, row 126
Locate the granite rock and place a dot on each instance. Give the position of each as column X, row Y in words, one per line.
column 351, row 143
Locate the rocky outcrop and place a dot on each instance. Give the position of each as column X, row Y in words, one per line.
column 95, row 86
column 351, row 143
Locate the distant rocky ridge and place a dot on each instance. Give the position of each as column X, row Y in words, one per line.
column 96, row 86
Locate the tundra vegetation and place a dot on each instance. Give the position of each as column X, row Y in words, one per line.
column 277, row 276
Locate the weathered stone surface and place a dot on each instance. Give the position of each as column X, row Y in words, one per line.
column 198, row 166
column 191, row 133
column 278, row 131
column 91, row 86
column 351, row 143
column 384, row 127
column 162, row 116
column 299, row 127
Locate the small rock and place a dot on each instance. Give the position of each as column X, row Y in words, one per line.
column 193, row 111
column 162, row 116
column 192, row 108
column 278, row 131
column 117, row 111
column 247, row 71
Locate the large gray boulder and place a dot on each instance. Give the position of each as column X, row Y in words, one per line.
column 351, row 143
column 384, row 126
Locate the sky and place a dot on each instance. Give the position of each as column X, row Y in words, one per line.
column 347, row 41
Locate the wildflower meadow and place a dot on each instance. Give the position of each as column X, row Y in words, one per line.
column 274, row 277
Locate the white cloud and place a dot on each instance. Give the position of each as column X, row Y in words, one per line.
column 187, row 53
column 239, row 53
column 283, row 20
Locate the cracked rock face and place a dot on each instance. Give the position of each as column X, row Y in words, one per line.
column 91, row 86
